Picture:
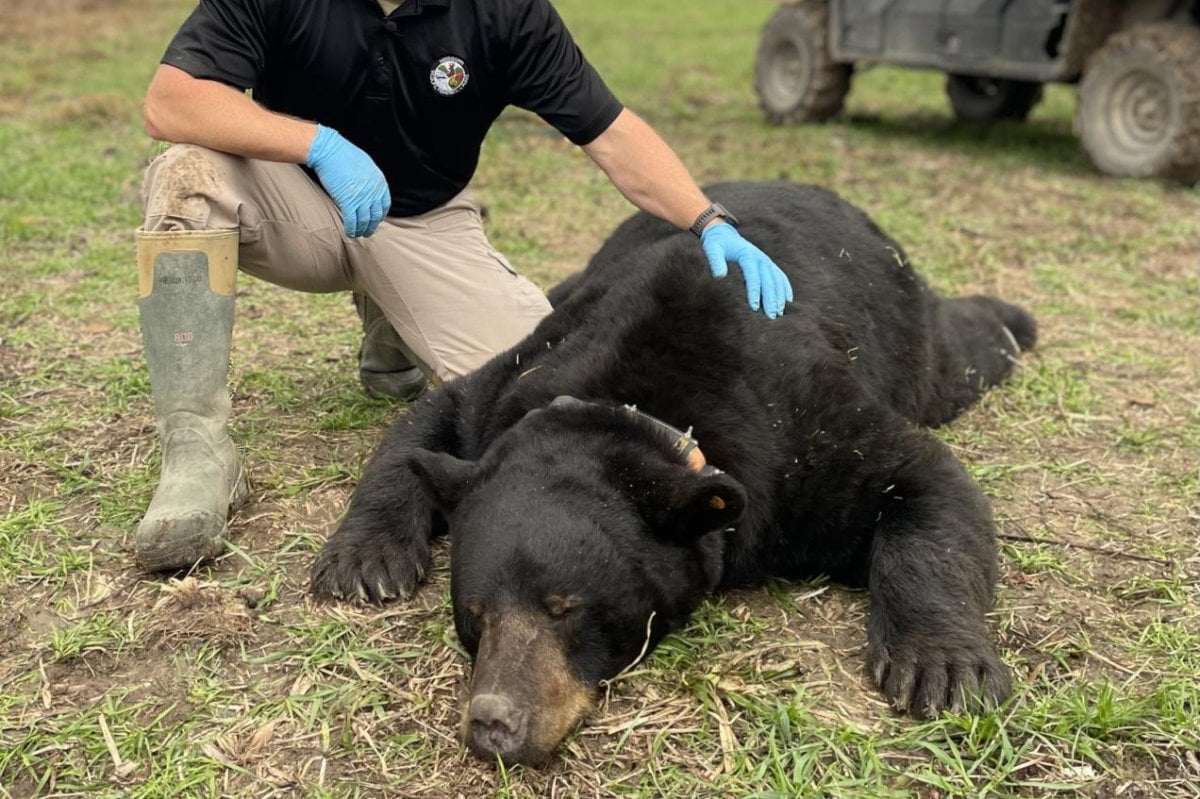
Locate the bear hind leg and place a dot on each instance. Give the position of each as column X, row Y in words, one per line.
column 978, row 340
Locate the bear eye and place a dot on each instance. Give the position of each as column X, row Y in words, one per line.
column 559, row 605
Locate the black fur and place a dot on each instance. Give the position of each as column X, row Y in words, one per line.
column 815, row 420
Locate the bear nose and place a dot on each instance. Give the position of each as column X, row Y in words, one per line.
column 497, row 726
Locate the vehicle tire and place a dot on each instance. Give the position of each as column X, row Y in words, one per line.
column 1139, row 103
column 979, row 99
column 794, row 76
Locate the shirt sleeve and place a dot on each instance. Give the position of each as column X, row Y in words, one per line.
column 548, row 75
column 222, row 40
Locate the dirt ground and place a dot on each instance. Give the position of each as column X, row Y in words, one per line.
column 33, row 23
column 28, row 11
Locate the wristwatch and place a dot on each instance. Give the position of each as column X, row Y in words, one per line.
column 712, row 212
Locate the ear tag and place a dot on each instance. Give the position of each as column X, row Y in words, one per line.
column 716, row 503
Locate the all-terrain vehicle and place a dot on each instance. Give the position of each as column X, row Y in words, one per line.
column 1137, row 64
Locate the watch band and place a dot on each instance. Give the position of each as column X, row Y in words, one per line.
column 711, row 213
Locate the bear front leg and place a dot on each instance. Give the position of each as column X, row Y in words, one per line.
column 931, row 577
column 380, row 549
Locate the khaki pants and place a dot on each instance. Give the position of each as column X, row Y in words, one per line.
column 454, row 300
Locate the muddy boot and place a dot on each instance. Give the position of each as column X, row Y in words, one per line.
column 186, row 284
column 385, row 366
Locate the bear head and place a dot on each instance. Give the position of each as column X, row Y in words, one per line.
column 580, row 538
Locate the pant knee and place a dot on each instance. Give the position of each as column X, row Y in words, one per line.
column 188, row 188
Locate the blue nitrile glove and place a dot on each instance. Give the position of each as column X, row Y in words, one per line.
column 765, row 281
column 352, row 180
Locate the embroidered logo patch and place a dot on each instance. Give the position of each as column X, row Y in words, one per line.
column 449, row 76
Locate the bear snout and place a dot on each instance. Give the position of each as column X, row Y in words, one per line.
column 524, row 695
column 496, row 726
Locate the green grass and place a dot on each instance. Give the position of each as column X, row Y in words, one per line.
column 34, row 547
column 235, row 685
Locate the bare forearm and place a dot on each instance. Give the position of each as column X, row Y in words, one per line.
column 187, row 110
column 647, row 171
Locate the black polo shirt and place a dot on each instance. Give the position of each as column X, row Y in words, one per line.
column 417, row 89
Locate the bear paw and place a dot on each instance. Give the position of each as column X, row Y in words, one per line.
column 368, row 569
column 924, row 677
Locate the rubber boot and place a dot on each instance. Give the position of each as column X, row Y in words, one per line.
column 186, row 283
column 385, row 364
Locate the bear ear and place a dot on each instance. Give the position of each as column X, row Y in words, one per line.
column 444, row 477
column 687, row 504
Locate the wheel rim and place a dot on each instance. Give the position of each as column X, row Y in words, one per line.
column 1139, row 113
column 789, row 71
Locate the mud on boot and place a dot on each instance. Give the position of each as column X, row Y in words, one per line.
column 188, row 519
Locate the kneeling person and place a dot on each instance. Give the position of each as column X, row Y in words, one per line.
column 347, row 170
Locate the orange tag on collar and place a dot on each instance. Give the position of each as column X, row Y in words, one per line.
column 689, row 448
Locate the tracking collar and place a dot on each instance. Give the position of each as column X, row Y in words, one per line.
column 682, row 440
column 685, row 444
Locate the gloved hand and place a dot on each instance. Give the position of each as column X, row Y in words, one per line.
column 765, row 282
column 352, row 179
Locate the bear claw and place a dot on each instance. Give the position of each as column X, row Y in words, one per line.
column 367, row 571
column 925, row 680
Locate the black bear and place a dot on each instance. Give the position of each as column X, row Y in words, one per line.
column 585, row 524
